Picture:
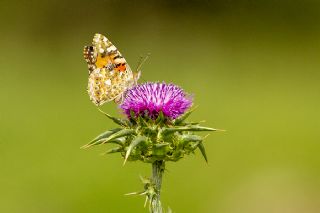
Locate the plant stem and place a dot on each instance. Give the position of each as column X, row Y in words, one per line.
column 157, row 172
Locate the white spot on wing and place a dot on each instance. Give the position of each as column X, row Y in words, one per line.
column 108, row 82
column 111, row 48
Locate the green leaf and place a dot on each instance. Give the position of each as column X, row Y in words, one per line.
column 203, row 151
column 137, row 140
column 190, row 138
column 183, row 117
column 119, row 134
column 101, row 136
column 167, row 131
column 119, row 141
column 159, row 145
column 160, row 118
column 118, row 121
column 132, row 114
column 160, row 149
column 141, row 121
column 193, row 146
column 150, row 130
column 132, row 118
column 191, row 123
column 113, row 150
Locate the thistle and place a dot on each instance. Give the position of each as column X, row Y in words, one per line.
column 154, row 131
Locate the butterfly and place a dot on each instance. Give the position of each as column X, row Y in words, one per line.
column 110, row 76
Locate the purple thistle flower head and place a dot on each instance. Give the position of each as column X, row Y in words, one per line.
column 149, row 99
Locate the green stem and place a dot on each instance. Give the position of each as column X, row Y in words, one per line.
column 157, row 172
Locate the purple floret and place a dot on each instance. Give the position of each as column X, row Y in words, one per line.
column 149, row 99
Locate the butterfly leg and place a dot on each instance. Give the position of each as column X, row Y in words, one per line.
column 136, row 77
column 119, row 99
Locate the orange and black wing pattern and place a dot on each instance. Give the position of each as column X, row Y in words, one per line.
column 109, row 74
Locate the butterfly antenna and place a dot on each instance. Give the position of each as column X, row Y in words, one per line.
column 139, row 62
column 142, row 60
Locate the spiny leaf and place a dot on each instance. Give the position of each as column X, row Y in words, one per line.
column 191, row 123
column 203, row 151
column 137, row 193
column 132, row 118
column 183, row 117
column 160, row 149
column 101, row 136
column 151, row 130
column 121, row 133
column 167, row 131
column 113, row 150
column 132, row 114
column 190, row 138
column 159, row 145
column 118, row 121
column 119, row 141
column 141, row 121
column 137, row 140
column 160, row 118
column 110, row 139
column 193, row 146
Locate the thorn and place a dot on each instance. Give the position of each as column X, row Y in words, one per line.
column 133, row 144
column 100, row 110
column 194, row 108
column 206, row 136
column 124, row 162
column 126, row 157
column 145, row 202
column 136, row 193
column 83, row 147
column 143, row 193
column 142, row 178
column 131, row 193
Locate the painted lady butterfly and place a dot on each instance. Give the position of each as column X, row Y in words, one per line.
column 109, row 74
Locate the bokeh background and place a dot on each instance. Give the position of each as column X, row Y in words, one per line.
column 253, row 67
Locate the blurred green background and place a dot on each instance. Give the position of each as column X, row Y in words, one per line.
column 253, row 67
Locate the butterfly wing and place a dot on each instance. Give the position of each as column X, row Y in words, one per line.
column 109, row 74
column 90, row 57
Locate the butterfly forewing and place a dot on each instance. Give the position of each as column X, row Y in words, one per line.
column 109, row 74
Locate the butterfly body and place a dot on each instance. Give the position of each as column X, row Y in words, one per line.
column 109, row 74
